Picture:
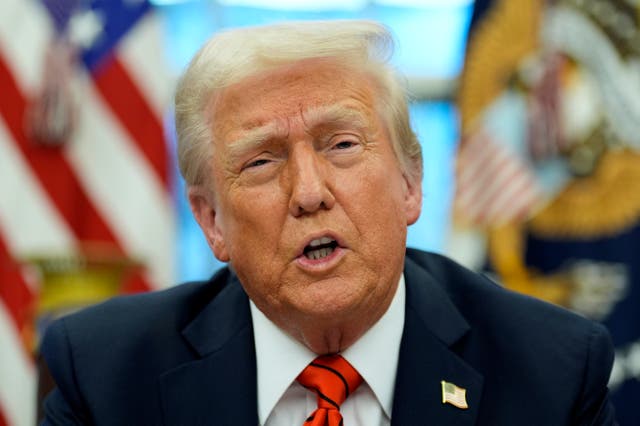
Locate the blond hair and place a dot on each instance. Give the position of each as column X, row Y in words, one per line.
column 233, row 55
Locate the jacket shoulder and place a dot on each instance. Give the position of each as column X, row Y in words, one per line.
column 156, row 309
column 554, row 356
column 115, row 351
column 479, row 297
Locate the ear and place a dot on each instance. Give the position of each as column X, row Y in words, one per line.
column 203, row 209
column 412, row 199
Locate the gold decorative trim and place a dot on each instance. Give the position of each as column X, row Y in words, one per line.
column 600, row 205
column 506, row 246
column 508, row 33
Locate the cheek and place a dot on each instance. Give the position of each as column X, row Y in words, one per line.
column 255, row 208
column 375, row 209
column 386, row 210
column 380, row 193
column 253, row 225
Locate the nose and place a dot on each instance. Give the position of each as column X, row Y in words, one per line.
column 308, row 176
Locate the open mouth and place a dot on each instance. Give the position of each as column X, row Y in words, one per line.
column 320, row 248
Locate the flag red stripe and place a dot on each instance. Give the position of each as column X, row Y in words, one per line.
column 53, row 171
column 135, row 114
column 3, row 421
column 14, row 292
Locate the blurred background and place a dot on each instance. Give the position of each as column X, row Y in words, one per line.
column 528, row 112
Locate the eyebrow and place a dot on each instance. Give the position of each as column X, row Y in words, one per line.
column 253, row 139
column 331, row 115
column 336, row 114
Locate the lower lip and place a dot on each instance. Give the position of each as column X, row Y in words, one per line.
column 321, row 265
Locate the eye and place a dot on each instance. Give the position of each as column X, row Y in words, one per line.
column 348, row 141
column 256, row 163
column 345, row 144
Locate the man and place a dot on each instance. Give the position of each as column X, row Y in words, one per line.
column 303, row 173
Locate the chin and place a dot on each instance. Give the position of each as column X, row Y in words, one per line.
column 331, row 310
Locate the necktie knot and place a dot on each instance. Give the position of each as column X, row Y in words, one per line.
column 333, row 379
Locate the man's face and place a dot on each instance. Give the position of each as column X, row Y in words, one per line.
column 310, row 205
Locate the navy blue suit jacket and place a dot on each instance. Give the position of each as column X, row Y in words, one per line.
column 185, row 356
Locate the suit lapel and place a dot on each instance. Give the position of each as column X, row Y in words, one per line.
column 432, row 326
column 220, row 386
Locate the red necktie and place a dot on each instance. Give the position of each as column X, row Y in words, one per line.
column 332, row 378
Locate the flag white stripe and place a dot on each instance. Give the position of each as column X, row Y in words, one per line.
column 122, row 185
column 476, row 188
column 25, row 32
column 30, row 222
column 493, row 184
column 514, row 196
column 456, row 399
column 520, row 191
column 17, row 376
column 474, row 160
column 476, row 168
column 485, row 184
column 140, row 52
column 523, row 204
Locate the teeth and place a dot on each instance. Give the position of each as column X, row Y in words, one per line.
column 320, row 253
column 320, row 241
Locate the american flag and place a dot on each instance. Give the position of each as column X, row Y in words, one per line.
column 452, row 394
column 494, row 186
column 83, row 156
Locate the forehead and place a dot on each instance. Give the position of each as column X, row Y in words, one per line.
column 291, row 91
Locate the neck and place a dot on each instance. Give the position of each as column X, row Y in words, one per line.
column 335, row 333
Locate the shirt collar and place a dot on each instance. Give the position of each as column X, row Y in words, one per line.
column 280, row 358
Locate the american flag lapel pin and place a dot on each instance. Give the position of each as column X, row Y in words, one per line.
column 454, row 395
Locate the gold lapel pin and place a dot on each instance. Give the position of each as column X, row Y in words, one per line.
column 454, row 395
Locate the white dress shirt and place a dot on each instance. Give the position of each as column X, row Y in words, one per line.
column 284, row 402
